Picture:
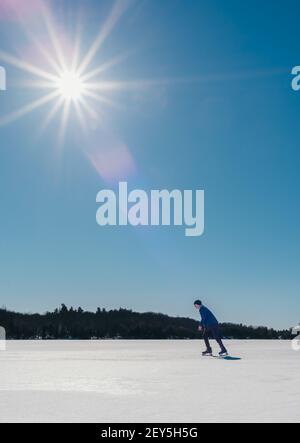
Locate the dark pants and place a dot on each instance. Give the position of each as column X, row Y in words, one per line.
column 215, row 332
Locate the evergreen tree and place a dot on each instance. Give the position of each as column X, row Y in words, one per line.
column 71, row 324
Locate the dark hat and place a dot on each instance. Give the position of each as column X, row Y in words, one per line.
column 198, row 302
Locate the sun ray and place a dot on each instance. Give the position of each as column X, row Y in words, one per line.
column 76, row 53
column 119, row 8
column 118, row 85
column 64, row 122
column 105, row 67
column 80, row 116
column 28, row 109
column 25, row 66
column 41, row 48
column 54, row 39
column 77, row 45
column 102, row 99
column 89, row 109
column 51, row 114
column 50, row 60
column 34, row 84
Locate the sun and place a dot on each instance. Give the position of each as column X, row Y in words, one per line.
column 66, row 78
column 71, row 86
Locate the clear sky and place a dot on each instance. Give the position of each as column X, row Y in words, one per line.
column 205, row 103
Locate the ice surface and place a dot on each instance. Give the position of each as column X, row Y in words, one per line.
column 148, row 381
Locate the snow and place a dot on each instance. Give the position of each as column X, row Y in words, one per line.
column 148, row 381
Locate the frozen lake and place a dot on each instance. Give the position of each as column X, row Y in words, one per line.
column 148, row 381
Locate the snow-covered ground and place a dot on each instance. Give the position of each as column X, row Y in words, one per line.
column 148, row 381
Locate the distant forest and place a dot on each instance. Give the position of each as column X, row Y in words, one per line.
column 76, row 324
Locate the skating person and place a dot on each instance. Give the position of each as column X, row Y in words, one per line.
column 209, row 325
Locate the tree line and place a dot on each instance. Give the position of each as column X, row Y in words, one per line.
column 77, row 324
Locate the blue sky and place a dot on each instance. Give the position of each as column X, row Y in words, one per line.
column 220, row 115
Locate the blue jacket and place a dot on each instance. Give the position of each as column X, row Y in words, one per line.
column 207, row 318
